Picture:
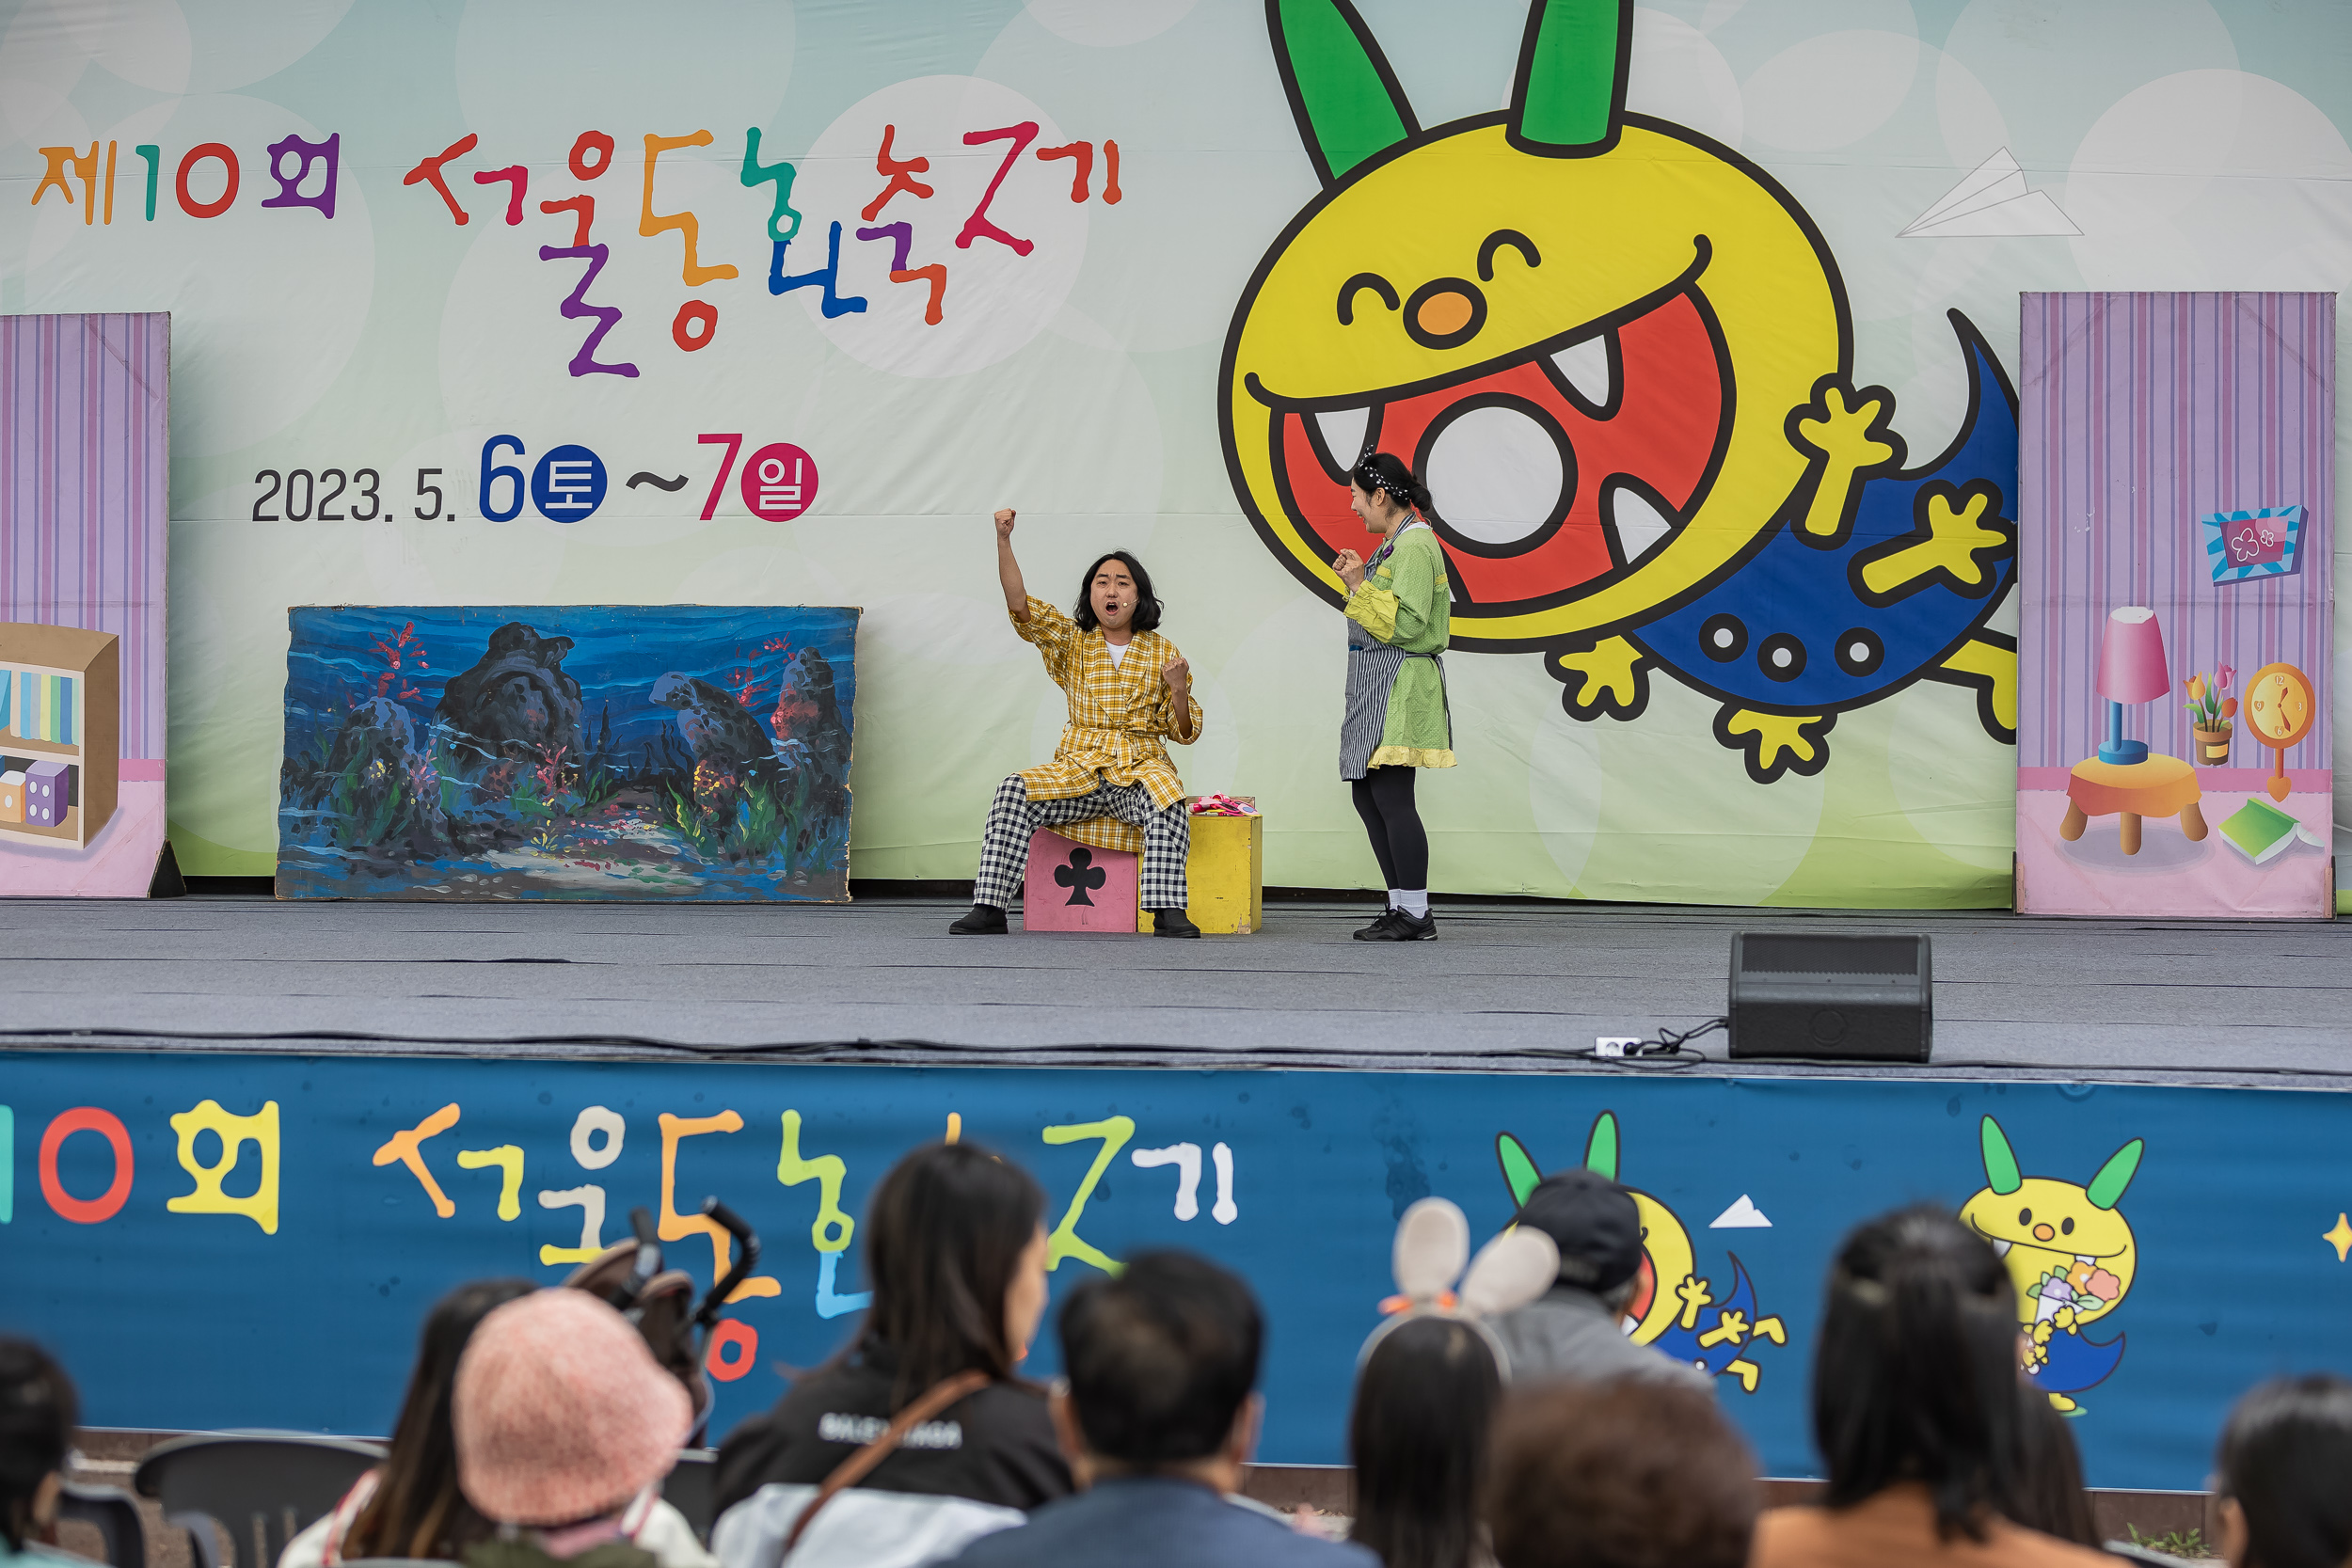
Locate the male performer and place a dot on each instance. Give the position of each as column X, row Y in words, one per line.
column 1128, row 686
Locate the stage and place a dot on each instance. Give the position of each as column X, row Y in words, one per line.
column 1507, row 988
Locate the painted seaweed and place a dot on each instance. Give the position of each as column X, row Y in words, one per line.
column 450, row 754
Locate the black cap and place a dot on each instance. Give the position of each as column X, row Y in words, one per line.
column 1595, row 1224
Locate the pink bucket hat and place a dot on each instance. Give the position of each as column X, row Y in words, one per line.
column 560, row 1412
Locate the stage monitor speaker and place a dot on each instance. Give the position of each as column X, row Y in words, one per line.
column 1833, row 998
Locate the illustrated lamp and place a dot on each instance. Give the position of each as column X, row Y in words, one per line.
column 2131, row 670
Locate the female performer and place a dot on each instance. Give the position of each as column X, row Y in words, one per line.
column 1398, row 616
column 1110, row 762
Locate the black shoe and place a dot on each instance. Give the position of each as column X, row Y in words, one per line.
column 1373, row 932
column 1403, row 927
column 986, row 920
column 1173, row 923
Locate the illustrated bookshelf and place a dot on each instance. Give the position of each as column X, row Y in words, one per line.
column 60, row 732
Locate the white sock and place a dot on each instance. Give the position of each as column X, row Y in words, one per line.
column 1413, row 901
column 1396, row 897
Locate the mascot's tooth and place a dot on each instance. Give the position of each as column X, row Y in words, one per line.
column 1999, row 1246
column 1343, row 432
column 1586, row 366
column 1635, row 520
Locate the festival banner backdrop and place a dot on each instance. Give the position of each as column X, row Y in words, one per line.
column 2170, row 1246
column 671, row 752
column 1698, row 317
column 83, row 441
column 2179, row 615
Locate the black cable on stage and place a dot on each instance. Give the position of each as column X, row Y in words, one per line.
column 1667, row 1051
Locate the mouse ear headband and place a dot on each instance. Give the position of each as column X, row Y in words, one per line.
column 1431, row 1247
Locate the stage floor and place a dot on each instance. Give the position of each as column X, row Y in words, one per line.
column 1505, row 986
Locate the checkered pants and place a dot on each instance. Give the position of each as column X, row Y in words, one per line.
column 1013, row 817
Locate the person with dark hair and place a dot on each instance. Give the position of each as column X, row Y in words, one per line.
column 1398, row 613
column 954, row 1250
column 1624, row 1474
column 2286, row 1475
column 1158, row 1420
column 1575, row 1329
column 1424, row 1405
column 410, row 1505
column 1128, row 687
column 2049, row 1495
column 1917, row 1409
column 38, row 1413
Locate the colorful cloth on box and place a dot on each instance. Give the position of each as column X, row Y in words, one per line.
column 1118, row 714
column 1399, row 622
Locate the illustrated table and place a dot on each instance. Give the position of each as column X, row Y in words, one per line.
column 2158, row 786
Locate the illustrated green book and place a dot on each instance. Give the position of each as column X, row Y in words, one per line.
column 2261, row 830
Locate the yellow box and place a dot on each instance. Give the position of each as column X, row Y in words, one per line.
column 1225, row 876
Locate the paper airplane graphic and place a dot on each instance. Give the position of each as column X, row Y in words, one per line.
column 1992, row 201
column 1742, row 1216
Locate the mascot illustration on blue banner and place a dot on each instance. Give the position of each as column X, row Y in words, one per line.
column 1674, row 1307
column 1621, row 356
column 2071, row 1254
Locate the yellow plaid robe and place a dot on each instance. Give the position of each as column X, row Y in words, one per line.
column 1118, row 713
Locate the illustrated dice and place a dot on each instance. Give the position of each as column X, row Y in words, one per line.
column 11, row 797
column 44, row 794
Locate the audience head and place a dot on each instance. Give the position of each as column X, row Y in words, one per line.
column 1916, row 1376
column 2049, row 1494
column 1160, row 1362
column 1619, row 1475
column 956, row 1251
column 1425, row 1408
column 38, row 1413
column 560, row 1412
column 1598, row 1227
column 418, row 1510
column 2285, row 1476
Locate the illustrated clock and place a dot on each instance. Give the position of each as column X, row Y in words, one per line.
column 2280, row 708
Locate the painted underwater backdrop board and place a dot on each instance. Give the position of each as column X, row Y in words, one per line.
column 687, row 307
column 345, row 1194
column 85, row 432
column 629, row 751
column 2161, row 430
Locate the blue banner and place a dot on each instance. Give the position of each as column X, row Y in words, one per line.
column 216, row 1241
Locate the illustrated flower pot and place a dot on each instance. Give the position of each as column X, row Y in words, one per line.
column 2212, row 747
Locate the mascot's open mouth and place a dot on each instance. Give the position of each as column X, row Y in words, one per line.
column 1552, row 469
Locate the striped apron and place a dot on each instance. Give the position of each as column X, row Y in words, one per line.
column 1371, row 666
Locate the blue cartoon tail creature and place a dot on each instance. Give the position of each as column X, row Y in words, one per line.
column 1652, row 454
column 1674, row 1307
column 2071, row 1254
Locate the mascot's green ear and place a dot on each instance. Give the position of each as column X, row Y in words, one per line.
column 2000, row 1163
column 2106, row 1188
column 1569, row 95
column 1601, row 1149
column 1518, row 1168
column 1343, row 94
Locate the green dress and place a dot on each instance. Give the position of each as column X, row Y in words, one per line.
column 1398, row 623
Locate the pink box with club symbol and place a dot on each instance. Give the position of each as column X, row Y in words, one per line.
column 1075, row 887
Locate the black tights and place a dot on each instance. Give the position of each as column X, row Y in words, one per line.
column 1384, row 798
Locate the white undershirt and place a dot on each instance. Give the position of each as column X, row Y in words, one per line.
column 1118, row 650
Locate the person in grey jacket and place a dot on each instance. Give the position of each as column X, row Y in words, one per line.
column 1576, row 1330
